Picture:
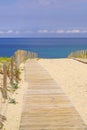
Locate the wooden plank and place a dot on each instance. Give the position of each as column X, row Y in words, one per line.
column 45, row 105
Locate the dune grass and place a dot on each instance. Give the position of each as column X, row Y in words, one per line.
column 78, row 54
column 5, row 59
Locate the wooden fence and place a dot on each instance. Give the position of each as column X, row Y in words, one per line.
column 78, row 54
column 11, row 71
column 4, row 95
column 22, row 55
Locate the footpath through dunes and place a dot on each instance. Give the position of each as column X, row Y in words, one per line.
column 45, row 105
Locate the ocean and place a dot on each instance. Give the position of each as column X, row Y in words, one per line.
column 45, row 47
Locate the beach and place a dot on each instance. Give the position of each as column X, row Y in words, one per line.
column 13, row 111
column 71, row 75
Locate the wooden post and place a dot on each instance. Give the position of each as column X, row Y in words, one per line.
column 4, row 90
column 12, row 70
column 16, row 73
column 31, row 55
column 36, row 55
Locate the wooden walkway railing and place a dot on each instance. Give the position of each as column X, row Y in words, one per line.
column 45, row 105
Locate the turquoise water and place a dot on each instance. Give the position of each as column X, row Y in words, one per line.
column 45, row 47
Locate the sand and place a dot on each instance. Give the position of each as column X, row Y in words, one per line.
column 71, row 75
column 13, row 111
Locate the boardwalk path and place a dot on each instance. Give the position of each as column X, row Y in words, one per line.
column 46, row 107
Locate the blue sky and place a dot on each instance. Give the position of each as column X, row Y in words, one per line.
column 43, row 18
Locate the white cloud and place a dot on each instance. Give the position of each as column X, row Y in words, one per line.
column 77, row 31
column 17, row 32
column 43, row 31
column 60, row 31
column 10, row 31
column 28, row 31
column 84, row 31
column 74, row 31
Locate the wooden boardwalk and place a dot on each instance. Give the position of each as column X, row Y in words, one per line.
column 45, row 105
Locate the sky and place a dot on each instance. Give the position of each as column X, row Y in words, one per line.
column 43, row 18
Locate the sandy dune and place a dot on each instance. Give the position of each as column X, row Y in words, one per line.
column 71, row 75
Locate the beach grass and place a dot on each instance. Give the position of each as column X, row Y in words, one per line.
column 5, row 59
column 78, row 54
